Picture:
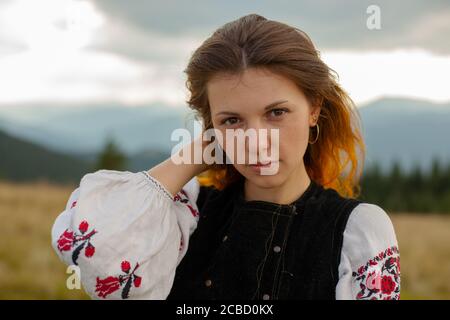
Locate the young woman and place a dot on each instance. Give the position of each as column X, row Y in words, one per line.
column 225, row 231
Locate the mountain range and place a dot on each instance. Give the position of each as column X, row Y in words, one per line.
column 410, row 131
column 413, row 132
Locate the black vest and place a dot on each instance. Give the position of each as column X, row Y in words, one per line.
column 263, row 250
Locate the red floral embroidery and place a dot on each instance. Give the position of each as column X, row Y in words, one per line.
column 111, row 284
column 69, row 239
column 387, row 285
column 73, row 204
column 183, row 198
column 181, row 243
column 65, row 241
column 379, row 278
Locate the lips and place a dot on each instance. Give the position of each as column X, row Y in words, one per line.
column 260, row 164
column 264, row 167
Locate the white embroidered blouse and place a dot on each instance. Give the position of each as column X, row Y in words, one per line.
column 127, row 234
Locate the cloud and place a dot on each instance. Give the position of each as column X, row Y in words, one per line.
column 133, row 53
column 333, row 25
column 407, row 73
column 86, row 77
column 142, row 45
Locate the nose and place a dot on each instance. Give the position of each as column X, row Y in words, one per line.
column 261, row 141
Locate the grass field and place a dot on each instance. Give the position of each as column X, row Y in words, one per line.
column 30, row 269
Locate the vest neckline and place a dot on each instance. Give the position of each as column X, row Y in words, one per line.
column 274, row 207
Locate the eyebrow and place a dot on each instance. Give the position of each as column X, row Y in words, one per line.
column 271, row 105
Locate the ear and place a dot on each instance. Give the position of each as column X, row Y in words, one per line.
column 316, row 108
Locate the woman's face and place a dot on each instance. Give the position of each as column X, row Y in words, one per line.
column 261, row 99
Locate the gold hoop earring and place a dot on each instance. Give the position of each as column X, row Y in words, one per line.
column 317, row 136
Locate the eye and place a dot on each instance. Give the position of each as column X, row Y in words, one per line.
column 232, row 120
column 278, row 112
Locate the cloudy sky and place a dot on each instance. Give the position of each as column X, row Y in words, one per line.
column 71, row 52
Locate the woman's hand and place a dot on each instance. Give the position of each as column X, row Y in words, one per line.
column 174, row 175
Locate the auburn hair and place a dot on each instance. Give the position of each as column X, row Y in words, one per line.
column 252, row 41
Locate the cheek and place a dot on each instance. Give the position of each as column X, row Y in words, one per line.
column 234, row 149
column 228, row 149
column 293, row 142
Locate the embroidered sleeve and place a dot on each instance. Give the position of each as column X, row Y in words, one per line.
column 370, row 257
column 126, row 233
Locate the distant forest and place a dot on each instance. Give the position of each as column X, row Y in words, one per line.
column 417, row 190
column 395, row 189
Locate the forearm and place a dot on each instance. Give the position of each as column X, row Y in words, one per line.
column 174, row 176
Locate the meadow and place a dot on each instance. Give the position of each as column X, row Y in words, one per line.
column 30, row 269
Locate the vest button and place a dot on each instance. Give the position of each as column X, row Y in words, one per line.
column 266, row 297
column 225, row 238
column 276, row 249
column 208, row 283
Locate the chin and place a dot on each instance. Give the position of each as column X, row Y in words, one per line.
column 264, row 181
